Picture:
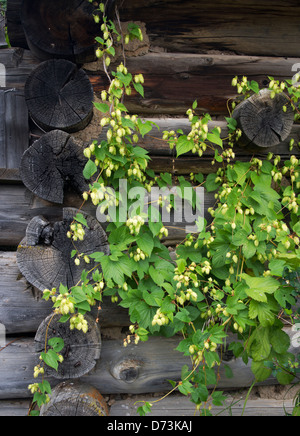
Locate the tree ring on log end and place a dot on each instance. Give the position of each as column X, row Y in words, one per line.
column 81, row 350
column 75, row 399
column 47, row 266
column 59, row 95
column 51, row 162
column 263, row 121
column 60, row 29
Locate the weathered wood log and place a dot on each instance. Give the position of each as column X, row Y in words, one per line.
column 171, row 78
column 59, row 96
column 158, row 363
column 19, row 206
column 75, row 399
column 22, row 308
column 49, row 264
column 162, row 156
column 263, row 121
column 189, row 26
column 81, row 350
column 239, row 26
column 60, row 29
column 51, row 162
column 14, row 131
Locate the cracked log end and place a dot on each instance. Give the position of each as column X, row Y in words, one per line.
column 81, row 351
column 46, row 266
column 52, row 162
column 263, row 121
column 59, row 96
column 75, row 399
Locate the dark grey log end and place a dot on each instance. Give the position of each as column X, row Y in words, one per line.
column 75, row 399
column 59, row 95
column 60, row 29
column 51, row 163
column 81, row 351
column 46, row 266
column 263, row 121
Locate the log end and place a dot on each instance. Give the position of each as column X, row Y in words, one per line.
column 75, row 399
column 264, row 121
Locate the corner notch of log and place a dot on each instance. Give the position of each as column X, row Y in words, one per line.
column 52, row 162
column 263, row 121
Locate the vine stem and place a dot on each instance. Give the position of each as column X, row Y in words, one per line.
column 247, row 396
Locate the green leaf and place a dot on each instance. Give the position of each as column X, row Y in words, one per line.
column 210, row 183
column 280, row 341
column 260, row 371
column 254, row 86
column 102, row 107
column 259, row 346
column 90, row 169
column 80, row 219
column 139, row 88
column 263, row 312
column 156, row 276
column 184, row 145
column 215, row 138
column 57, row 344
column 259, row 286
column 146, row 243
column 78, row 294
column 51, row 359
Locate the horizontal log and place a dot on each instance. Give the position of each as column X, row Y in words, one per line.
column 172, row 80
column 195, row 27
column 162, row 157
column 22, row 309
column 239, row 26
column 19, row 206
column 152, row 363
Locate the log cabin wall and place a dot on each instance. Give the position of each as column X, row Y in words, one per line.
column 191, row 50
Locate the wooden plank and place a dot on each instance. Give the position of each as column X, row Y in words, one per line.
column 14, row 132
column 136, row 369
column 180, row 406
column 174, row 406
column 253, row 27
column 14, row 407
column 22, row 309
